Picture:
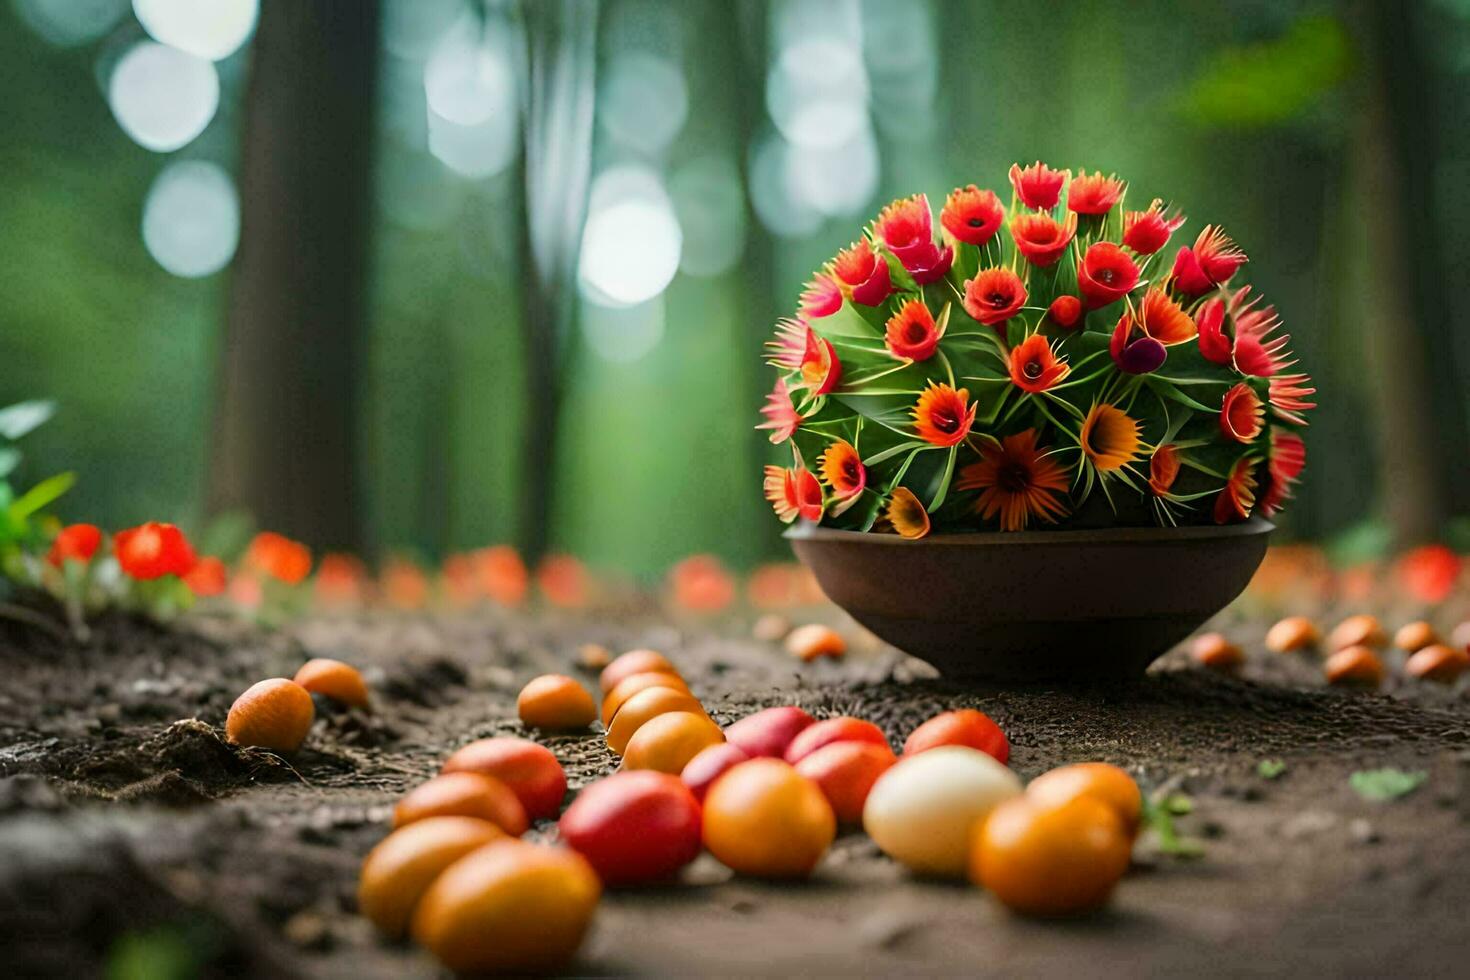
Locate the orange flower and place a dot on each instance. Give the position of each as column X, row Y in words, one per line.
column 75, row 542
column 1038, row 186
column 1017, row 482
column 971, row 215
column 781, row 415
column 911, row 332
column 794, row 493
column 1094, row 194
column 1164, row 320
column 1034, row 365
column 501, row 574
column 1284, row 467
column 994, row 296
column 340, row 579
column 776, row 585
column 843, row 470
column 862, row 275
column 701, row 584
column 943, row 415
column 1242, row 415
column 1238, row 497
column 564, row 582
column 404, row 584
column 907, row 515
column 152, row 551
column 1163, row 469
column 279, row 557
column 821, row 371
column 1109, row 437
column 1148, row 231
column 1040, row 239
column 208, row 577
column 458, row 580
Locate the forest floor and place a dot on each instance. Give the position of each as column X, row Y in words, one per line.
column 132, row 837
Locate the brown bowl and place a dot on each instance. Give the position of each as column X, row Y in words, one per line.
column 1035, row 605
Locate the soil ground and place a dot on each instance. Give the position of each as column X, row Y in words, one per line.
column 131, row 836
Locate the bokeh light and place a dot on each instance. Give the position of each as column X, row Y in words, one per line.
column 471, row 96
column 191, row 218
column 69, row 23
column 210, row 29
column 632, row 240
column 623, row 335
column 643, row 102
column 778, row 202
column 837, row 180
column 162, row 97
column 710, row 205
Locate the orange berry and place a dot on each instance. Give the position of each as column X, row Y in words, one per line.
column 530, row 770
column 827, row 731
column 511, row 907
column 396, row 873
column 1438, row 662
column 632, row 684
column 815, row 640
column 334, row 679
column 646, row 704
column 1357, row 631
column 555, row 703
column 1050, row 860
column 764, row 818
column 1214, row 651
column 1293, row 633
column 1099, row 780
column 846, row 772
column 272, row 714
column 965, row 726
column 1354, row 666
column 667, row 743
column 593, row 656
column 634, row 662
column 463, row 794
column 1413, row 637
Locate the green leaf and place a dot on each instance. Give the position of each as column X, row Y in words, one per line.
column 41, row 495
column 1270, row 768
column 1387, row 784
column 19, row 419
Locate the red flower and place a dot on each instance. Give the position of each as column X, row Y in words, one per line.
column 1038, row 186
column 788, row 348
column 1163, row 469
column 906, row 227
column 1429, row 573
column 208, row 577
column 821, row 371
column 1018, row 481
column 1040, row 239
column 794, row 493
column 821, row 297
column 1034, row 365
column 1148, row 231
column 1095, row 194
column 1257, row 353
column 152, row 551
column 943, row 416
column 781, row 415
column 1238, row 497
column 994, row 296
column 863, row 275
column 1140, row 355
column 911, row 332
column 75, row 542
column 971, row 215
column 1210, row 263
column 1288, row 394
column 1284, row 467
column 279, row 557
column 1106, row 274
column 1242, row 415
column 1065, row 311
column 842, row 470
column 1214, row 343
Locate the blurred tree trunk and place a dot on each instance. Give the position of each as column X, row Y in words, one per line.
column 558, row 79
column 286, row 428
column 1395, row 201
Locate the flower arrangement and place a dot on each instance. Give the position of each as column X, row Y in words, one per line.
column 1039, row 365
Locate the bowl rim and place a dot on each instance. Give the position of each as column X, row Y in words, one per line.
column 807, row 531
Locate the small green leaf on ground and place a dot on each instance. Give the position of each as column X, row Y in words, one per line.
column 1384, row 785
column 1178, row 804
column 1270, row 768
column 1158, row 816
